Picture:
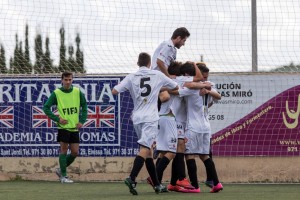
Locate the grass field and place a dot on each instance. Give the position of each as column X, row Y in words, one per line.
column 38, row 190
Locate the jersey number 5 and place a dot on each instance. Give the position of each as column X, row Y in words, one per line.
column 143, row 84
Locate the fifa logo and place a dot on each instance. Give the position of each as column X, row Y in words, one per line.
column 70, row 111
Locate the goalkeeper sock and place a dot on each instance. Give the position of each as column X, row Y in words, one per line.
column 152, row 171
column 137, row 166
column 160, row 168
column 70, row 159
column 63, row 164
column 192, row 171
column 211, row 170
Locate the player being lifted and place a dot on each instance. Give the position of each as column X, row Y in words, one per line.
column 144, row 87
column 166, row 52
column 69, row 101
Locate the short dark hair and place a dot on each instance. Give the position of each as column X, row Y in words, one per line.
column 174, row 68
column 188, row 68
column 144, row 59
column 65, row 74
column 182, row 32
column 202, row 67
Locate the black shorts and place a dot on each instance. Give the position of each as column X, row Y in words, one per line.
column 67, row 136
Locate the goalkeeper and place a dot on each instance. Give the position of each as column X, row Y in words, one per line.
column 69, row 101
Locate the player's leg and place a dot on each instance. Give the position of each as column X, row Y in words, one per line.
column 178, row 163
column 146, row 133
column 209, row 163
column 63, row 137
column 192, row 148
column 74, row 147
column 166, row 143
column 209, row 182
column 63, row 158
column 192, row 172
column 136, row 168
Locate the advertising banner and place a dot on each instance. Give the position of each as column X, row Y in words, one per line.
column 26, row 131
column 258, row 115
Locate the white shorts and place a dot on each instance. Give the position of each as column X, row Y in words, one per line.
column 181, row 130
column 197, row 143
column 146, row 133
column 167, row 135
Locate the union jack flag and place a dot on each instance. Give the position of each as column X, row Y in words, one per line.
column 40, row 119
column 6, row 117
column 101, row 117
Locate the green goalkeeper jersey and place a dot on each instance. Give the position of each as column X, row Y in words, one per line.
column 68, row 103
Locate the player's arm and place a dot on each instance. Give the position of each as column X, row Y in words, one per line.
column 122, row 86
column 182, row 92
column 173, row 92
column 47, row 107
column 215, row 94
column 164, row 96
column 83, row 105
column 114, row 91
column 197, row 85
column 198, row 77
column 162, row 67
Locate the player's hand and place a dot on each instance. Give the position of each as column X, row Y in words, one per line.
column 203, row 92
column 63, row 121
column 79, row 125
column 208, row 85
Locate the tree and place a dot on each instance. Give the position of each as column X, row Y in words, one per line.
column 47, row 61
column 287, row 68
column 3, row 69
column 79, row 56
column 62, row 51
column 38, row 67
column 16, row 58
column 22, row 63
column 28, row 67
column 72, row 65
column 11, row 64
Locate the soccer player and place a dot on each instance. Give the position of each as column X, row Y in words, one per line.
column 72, row 108
column 178, row 177
column 209, row 97
column 166, row 52
column 144, row 87
column 198, row 132
column 170, row 140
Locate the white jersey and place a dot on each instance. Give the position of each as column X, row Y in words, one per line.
column 176, row 103
column 178, row 106
column 208, row 99
column 144, row 86
column 197, row 121
column 165, row 52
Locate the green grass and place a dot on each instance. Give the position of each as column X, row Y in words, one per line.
column 32, row 190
